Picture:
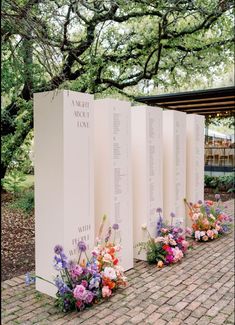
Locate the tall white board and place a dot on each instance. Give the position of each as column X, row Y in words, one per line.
column 113, row 187
column 174, row 165
column 147, row 171
column 64, row 177
column 195, row 157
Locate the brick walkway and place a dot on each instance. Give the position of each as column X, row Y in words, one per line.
column 200, row 290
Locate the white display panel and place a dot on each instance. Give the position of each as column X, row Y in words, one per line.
column 174, row 165
column 64, row 177
column 113, row 187
column 147, row 171
column 195, row 157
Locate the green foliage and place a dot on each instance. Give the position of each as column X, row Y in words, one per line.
column 24, row 202
column 220, row 183
column 14, row 150
column 210, row 181
column 22, row 160
column 155, row 254
column 59, row 302
column 153, row 250
column 12, row 182
column 107, row 48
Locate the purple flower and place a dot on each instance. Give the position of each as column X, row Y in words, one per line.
column 82, row 246
column 217, row 197
column 71, row 264
column 199, row 201
column 61, row 286
column 95, row 282
column 207, row 209
column 225, row 228
column 89, row 297
column 108, row 234
column 77, row 270
column 159, row 226
column 29, row 279
column 159, row 210
column 172, row 215
column 58, row 249
column 115, row 226
column 60, row 263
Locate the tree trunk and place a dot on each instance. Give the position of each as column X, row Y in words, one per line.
column 8, row 126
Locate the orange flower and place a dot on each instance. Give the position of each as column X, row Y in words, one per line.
column 83, row 263
column 111, row 251
column 109, row 283
column 160, row 264
column 165, row 247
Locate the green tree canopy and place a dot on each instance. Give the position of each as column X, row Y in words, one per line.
column 103, row 47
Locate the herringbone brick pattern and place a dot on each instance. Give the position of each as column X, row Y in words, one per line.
column 200, row 290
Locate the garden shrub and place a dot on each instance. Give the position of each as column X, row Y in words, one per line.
column 220, row 183
column 24, row 202
column 12, row 182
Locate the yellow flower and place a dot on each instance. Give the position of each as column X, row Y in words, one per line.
column 144, row 226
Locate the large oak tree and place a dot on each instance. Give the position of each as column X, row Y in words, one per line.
column 103, row 47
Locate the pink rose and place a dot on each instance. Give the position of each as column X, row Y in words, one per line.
column 185, row 244
column 79, row 292
column 210, row 234
column 106, row 292
column 177, row 253
column 107, row 258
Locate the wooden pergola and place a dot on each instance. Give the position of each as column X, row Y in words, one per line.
column 209, row 102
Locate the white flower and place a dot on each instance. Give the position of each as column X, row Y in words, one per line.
column 212, row 217
column 159, row 239
column 110, row 273
column 197, row 234
column 96, row 251
column 144, row 226
column 119, row 268
column 195, row 216
column 58, row 266
column 172, row 242
column 117, row 248
column 107, row 258
column 202, row 233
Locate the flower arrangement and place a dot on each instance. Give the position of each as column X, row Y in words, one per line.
column 209, row 221
column 82, row 283
column 169, row 245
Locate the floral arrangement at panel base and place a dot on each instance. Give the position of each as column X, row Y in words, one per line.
column 170, row 244
column 209, row 221
column 81, row 284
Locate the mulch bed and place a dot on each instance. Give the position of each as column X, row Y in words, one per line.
column 18, row 241
column 18, row 238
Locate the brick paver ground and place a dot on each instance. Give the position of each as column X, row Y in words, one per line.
column 200, row 290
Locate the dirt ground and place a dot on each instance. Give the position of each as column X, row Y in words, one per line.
column 18, row 239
